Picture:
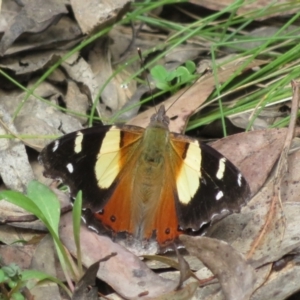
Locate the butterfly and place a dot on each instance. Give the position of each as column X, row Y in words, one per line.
column 148, row 183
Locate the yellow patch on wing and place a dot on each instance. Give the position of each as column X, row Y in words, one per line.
column 108, row 160
column 189, row 173
column 116, row 149
column 78, row 142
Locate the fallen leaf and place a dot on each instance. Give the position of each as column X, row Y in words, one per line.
column 250, row 7
column 35, row 16
column 235, row 275
column 93, row 15
column 15, row 169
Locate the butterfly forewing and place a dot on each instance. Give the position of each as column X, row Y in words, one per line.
column 221, row 189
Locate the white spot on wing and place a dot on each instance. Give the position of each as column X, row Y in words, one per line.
column 78, row 142
column 56, row 143
column 70, row 167
column 221, row 169
column 219, row 195
column 188, row 181
column 107, row 166
column 239, row 179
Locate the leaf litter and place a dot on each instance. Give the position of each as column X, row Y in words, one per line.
column 265, row 234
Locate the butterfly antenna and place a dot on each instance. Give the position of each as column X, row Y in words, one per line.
column 147, row 72
column 181, row 94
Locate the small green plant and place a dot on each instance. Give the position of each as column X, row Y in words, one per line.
column 11, row 282
column 171, row 80
column 43, row 203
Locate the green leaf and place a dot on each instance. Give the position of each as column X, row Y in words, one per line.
column 20, row 200
column 171, row 75
column 190, row 65
column 159, row 73
column 162, row 86
column 76, row 214
column 17, row 296
column 183, row 74
column 46, row 201
column 3, row 276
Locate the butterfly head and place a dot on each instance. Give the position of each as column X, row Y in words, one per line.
column 160, row 119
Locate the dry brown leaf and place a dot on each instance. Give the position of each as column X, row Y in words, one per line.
column 185, row 293
column 290, row 188
column 93, row 15
column 250, row 6
column 20, row 255
column 76, row 101
column 15, row 169
column 63, row 35
column 9, row 235
column 35, row 16
column 37, row 117
column 113, row 96
column 281, row 285
column 31, row 62
column 235, row 275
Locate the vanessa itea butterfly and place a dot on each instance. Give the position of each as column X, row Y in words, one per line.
column 149, row 183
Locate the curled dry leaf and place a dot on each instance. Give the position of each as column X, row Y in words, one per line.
column 31, row 62
column 15, row 169
column 281, row 285
column 35, row 16
column 113, row 95
column 37, row 117
column 235, row 275
column 61, row 35
column 125, row 272
column 85, row 289
column 93, row 15
column 76, row 101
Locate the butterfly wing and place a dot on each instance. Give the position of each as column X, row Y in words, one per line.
column 207, row 186
column 74, row 159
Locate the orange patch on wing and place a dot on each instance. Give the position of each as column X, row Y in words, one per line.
column 165, row 221
column 116, row 213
